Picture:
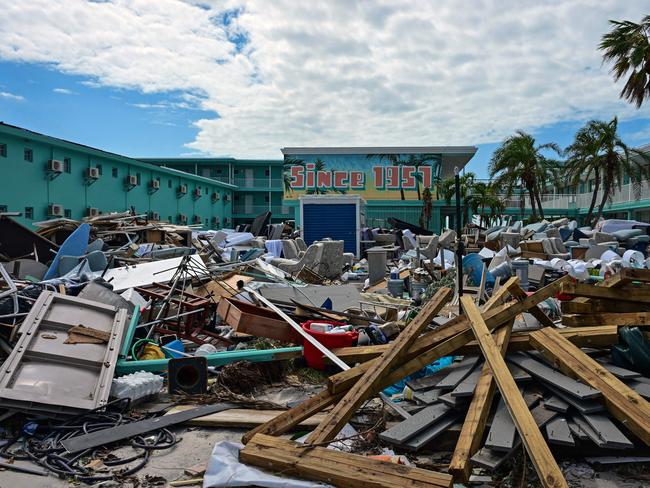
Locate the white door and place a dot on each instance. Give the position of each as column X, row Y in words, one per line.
column 250, row 180
column 248, row 204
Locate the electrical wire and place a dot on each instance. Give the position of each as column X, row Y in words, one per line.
column 45, row 449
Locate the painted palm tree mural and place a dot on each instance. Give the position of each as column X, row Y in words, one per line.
column 286, row 173
column 319, row 190
column 394, row 160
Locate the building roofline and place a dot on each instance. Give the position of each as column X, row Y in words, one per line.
column 209, row 160
column 37, row 136
column 381, row 150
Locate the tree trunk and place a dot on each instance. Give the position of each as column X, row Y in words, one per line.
column 607, row 187
column 401, row 193
column 531, row 196
column 593, row 197
column 539, row 204
column 418, row 187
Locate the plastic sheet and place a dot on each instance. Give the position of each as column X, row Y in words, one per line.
column 225, row 470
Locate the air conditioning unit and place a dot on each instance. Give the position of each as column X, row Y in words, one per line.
column 92, row 173
column 154, row 216
column 182, row 190
column 226, row 221
column 182, row 218
column 226, row 198
column 55, row 210
column 197, row 219
column 55, row 166
column 154, row 185
column 215, row 220
column 215, row 196
column 92, row 212
column 131, row 180
column 196, row 193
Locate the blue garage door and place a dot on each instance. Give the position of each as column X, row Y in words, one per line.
column 338, row 222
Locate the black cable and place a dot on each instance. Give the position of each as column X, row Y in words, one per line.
column 45, row 449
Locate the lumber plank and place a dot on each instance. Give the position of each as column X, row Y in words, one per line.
column 453, row 334
column 518, row 293
column 539, row 452
column 630, row 294
column 582, row 305
column 289, row 419
column 337, row 468
column 629, row 318
column 368, row 384
column 243, row 418
column 622, row 402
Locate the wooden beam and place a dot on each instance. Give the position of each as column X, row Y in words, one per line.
column 630, row 294
column 539, row 452
column 471, row 434
column 622, row 402
column 242, row 418
column 455, row 333
column 335, row 467
column 623, row 318
column 368, row 384
column 519, row 293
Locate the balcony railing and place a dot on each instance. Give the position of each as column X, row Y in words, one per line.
column 243, row 182
column 253, row 210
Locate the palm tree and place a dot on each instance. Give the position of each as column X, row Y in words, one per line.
column 627, row 44
column 484, row 195
column 519, row 163
column 617, row 161
column 448, row 190
column 320, row 166
column 583, row 161
column 286, row 175
column 427, row 206
column 394, row 160
column 419, row 161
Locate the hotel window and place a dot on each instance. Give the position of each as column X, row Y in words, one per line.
column 29, row 155
column 169, row 185
column 138, row 178
column 114, row 172
column 3, row 150
column 68, row 213
column 267, row 172
column 67, row 165
column 266, row 198
column 29, row 212
column 100, row 169
column 3, row 208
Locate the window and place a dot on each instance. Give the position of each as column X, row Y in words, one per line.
column 267, row 172
column 236, row 171
column 169, row 219
column 67, row 165
column 169, row 185
column 29, row 155
column 29, row 212
column 236, row 198
column 266, row 198
column 138, row 177
column 67, row 213
column 3, row 208
column 99, row 169
column 114, row 172
column 3, row 150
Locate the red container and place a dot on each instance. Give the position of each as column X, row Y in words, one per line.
column 312, row 355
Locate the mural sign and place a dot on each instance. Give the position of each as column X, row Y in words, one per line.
column 379, row 177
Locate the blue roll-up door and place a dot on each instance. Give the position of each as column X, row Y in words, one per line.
column 337, row 221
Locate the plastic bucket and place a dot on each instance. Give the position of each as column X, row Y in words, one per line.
column 312, row 355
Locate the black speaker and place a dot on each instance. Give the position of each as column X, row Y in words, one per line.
column 188, row 375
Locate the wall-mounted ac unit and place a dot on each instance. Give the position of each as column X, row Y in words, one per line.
column 215, row 196
column 182, row 190
column 215, row 220
column 182, row 218
column 226, row 221
column 197, row 219
column 196, row 193
column 226, row 198
column 55, row 166
column 92, row 212
column 131, row 180
column 92, row 173
column 154, row 215
column 154, row 185
column 55, row 210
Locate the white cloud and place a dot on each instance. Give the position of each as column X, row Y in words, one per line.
column 63, row 91
column 11, row 96
column 382, row 72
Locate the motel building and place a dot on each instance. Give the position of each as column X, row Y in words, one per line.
column 44, row 177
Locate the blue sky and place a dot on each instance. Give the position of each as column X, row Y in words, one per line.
column 179, row 78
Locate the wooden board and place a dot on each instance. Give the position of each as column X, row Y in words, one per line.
column 592, row 319
column 622, row 402
column 246, row 418
column 629, row 294
column 545, row 465
column 368, row 384
column 335, row 467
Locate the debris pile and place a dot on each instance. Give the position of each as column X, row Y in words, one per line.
column 406, row 365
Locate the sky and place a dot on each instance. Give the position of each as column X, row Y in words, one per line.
column 243, row 79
